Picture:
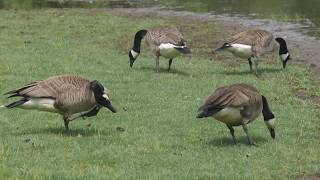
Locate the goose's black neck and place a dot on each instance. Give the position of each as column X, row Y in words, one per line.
column 137, row 40
column 266, row 112
column 283, row 46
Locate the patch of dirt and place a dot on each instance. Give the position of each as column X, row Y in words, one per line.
column 302, row 95
column 308, row 177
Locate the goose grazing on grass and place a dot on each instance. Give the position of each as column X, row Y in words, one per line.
column 163, row 41
column 238, row 104
column 67, row 95
column 253, row 44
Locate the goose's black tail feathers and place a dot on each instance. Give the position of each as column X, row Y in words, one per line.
column 184, row 50
column 17, row 103
column 206, row 111
column 16, row 92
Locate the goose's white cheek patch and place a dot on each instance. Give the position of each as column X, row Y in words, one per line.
column 270, row 123
column 134, row 54
column 105, row 96
column 284, row 56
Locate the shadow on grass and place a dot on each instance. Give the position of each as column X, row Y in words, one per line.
column 227, row 141
column 164, row 71
column 261, row 71
column 71, row 132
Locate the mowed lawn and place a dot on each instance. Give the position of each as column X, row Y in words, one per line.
column 155, row 134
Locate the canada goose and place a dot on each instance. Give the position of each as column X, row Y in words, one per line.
column 163, row 41
column 65, row 94
column 238, row 104
column 255, row 43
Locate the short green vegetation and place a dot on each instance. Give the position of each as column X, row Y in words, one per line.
column 155, row 134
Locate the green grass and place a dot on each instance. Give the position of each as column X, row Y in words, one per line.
column 162, row 137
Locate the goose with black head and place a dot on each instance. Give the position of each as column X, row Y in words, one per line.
column 167, row 42
column 238, row 105
column 69, row 95
column 254, row 43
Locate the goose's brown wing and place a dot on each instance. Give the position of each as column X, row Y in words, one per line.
column 264, row 43
column 50, row 87
column 166, row 35
column 252, row 37
column 238, row 95
column 75, row 100
column 221, row 99
column 246, row 38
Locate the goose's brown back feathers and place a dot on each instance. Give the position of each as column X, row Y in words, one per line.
column 244, row 97
column 71, row 93
column 237, row 95
column 161, row 35
column 261, row 41
column 51, row 87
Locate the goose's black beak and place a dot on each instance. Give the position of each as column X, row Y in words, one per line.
column 131, row 59
column 184, row 50
column 272, row 133
column 110, row 107
column 284, row 63
column 106, row 103
column 271, row 126
column 223, row 47
column 131, row 62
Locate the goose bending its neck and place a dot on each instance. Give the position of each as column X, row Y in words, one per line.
column 255, row 43
column 163, row 41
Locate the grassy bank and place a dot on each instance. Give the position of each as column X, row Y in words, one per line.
column 162, row 139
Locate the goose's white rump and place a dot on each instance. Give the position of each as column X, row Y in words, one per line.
column 42, row 104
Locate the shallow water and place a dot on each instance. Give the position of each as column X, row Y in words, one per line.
column 295, row 11
column 304, row 12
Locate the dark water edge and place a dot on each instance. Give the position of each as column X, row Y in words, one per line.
column 302, row 12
